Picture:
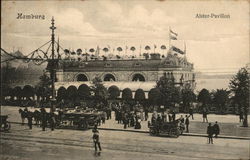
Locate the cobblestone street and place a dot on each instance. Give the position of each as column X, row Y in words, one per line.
column 22, row 143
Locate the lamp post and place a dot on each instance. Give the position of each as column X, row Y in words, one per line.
column 53, row 64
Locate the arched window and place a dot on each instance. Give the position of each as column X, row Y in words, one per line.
column 82, row 77
column 138, row 77
column 109, row 77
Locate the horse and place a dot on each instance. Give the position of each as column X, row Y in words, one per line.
column 23, row 114
column 37, row 117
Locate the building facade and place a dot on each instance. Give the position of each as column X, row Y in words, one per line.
column 128, row 71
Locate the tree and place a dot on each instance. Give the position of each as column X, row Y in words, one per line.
column 220, row 98
column 114, row 92
column 83, row 91
column 61, row 94
column 126, row 94
column 44, row 87
column 169, row 92
column 139, row 95
column 39, row 91
column 239, row 86
column 28, row 91
column 18, row 92
column 204, row 97
column 71, row 93
column 188, row 97
column 154, row 96
column 100, row 91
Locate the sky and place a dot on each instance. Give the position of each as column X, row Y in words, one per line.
column 213, row 45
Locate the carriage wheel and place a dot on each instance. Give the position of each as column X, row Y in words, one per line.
column 180, row 130
column 152, row 131
column 84, row 125
column 7, row 126
column 174, row 133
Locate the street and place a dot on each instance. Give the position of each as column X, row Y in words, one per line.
column 22, row 143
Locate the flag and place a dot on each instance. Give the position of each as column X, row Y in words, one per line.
column 58, row 45
column 173, row 37
column 177, row 50
column 173, row 33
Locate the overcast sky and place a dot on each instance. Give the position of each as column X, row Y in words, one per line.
column 212, row 44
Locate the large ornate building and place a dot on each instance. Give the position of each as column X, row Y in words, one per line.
column 126, row 73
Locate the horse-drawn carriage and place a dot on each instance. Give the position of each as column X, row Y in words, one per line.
column 80, row 119
column 4, row 124
column 172, row 129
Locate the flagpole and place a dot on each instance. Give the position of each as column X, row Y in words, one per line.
column 140, row 51
column 169, row 39
column 185, row 50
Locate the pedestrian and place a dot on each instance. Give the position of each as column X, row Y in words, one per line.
column 29, row 117
column 187, row 123
column 146, row 113
column 173, row 115
column 204, row 116
column 44, row 118
column 52, row 121
column 132, row 120
column 182, row 119
column 241, row 116
column 96, row 138
column 216, row 129
column 164, row 117
column 125, row 121
column 210, row 133
column 137, row 123
column 21, row 112
column 191, row 113
column 109, row 112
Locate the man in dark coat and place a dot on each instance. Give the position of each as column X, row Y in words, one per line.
column 44, row 118
column 241, row 115
column 210, row 133
column 204, row 115
column 96, row 138
column 52, row 121
column 146, row 113
column 173, row 116
column 29, row 117
column 187, row 123
column 191, row 113
column 216, row 129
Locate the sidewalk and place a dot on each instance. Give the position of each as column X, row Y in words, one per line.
column 229, row 125
column 196, row 128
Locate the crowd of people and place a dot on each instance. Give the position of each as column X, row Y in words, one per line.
column 130, row 116
column 126, row 115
